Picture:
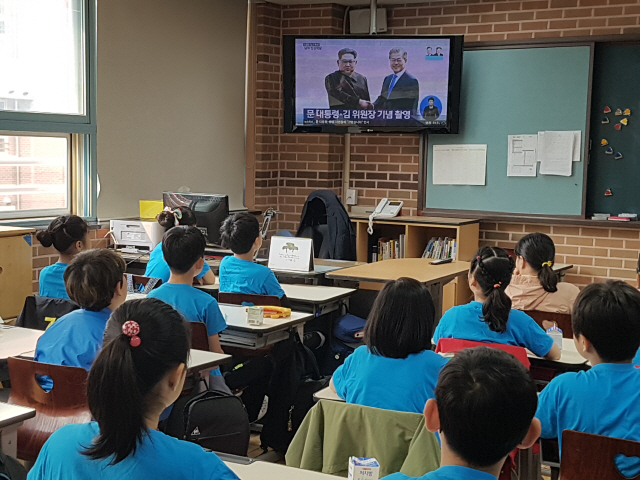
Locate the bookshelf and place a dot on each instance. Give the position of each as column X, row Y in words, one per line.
column 417, row 232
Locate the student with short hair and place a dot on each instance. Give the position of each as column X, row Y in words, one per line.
column 137, row 375
column 68, row 235
column 157, row 266
column 534, row 285
column 396, row 368
column 95, row 281
column 604, row 400
column 238, row 272
column 489, row 318
column 183, row 249
column 484, row 408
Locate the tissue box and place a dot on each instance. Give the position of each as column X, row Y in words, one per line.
column 363, row 469
column 150, row 208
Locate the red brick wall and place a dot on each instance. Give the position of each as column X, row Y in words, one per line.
column 289, row 166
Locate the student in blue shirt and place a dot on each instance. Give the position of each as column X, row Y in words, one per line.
column 604, row 400
column 157, row 266
column 484, row 408
column 239, row 273
column 397, row 349
column 183, row 249
column 95, row 281
column 137, row 375
column 68, row 235
column 489, row 318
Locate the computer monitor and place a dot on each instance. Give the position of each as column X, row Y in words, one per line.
column 210, row 210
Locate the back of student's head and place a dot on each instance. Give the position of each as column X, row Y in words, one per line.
column 608, row 315
column 63, row 233
column 239, row 232
column 492, row 268
column 171, row 217
column 182, row 247
column 486, row 400
column 92, row 277
column 122, row 379
column 539, row 252
column 401, row 321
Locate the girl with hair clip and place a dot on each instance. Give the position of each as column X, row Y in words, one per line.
column 68, row 235
column 397, row 347
column 534, row 285
column 139, row 373
column 157, row 266
column 489, row 318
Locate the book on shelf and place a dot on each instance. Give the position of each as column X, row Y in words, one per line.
column 440, row 248
column 388, row 249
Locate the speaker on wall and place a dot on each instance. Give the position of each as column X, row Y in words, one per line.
column 360, row 20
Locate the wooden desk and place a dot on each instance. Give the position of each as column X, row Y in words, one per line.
column 272, row 471
column 203, row 361
column 16, row 270
column 570, row 355
column 434, row 276
column 15, row 341
column 561, row 269
column 327, row 394
column 321, row 268
column 273, row 330
column 11, row 417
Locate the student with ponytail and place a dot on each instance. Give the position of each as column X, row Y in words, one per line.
column 68, row 235
column 489, row 318
column 157, row 266
column 139, row 372
column 534, row 285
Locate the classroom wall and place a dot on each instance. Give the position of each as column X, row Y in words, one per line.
column 171, row 90
column 288, row 167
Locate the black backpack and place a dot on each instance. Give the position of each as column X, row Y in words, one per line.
column 296, row 378
column 214, row 420
column 39, row 312
column 10, row 468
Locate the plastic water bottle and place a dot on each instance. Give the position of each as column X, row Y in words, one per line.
column 556, row 334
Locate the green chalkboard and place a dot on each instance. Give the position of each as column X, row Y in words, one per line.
column 510, row 92
column 616, row 84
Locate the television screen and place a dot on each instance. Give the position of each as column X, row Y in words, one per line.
column 374, row 83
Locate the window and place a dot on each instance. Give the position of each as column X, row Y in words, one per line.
column 47, row 108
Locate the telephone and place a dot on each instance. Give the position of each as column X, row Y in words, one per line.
column 385, row 209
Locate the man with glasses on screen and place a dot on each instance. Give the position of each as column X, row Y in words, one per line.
column 346, row 88
column 400, row 90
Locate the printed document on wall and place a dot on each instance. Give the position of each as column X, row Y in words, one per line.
column 556, row 153
column 521, row 157
column 459, row 164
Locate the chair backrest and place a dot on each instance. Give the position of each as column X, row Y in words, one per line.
column 141, row 284
column 40, row 312
column 562, row 319
column 199, row 337
column 65, row 403
column 248, row 298
column 446, row 345
column 585, row 455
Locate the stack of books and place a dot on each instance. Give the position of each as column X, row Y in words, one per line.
column 388, row 249
column 440, row 248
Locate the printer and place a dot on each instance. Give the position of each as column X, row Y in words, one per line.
column 136, row 235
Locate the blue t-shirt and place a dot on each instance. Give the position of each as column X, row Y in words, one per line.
column 448, row 472
column 73, row 340
column 157, row 456
column 51, row 281
column 465, row 322
column 244, row 276
column 158, row 268
column 604, row 400
column 408, row 382
column 636, row 360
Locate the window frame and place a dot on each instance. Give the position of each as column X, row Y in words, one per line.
column 81, row 129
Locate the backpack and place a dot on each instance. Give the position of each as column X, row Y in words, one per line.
column 40, row 312
column 10, row 468
column 214, row 420
column 295, row 379
column 250, row 380
column 347, row 336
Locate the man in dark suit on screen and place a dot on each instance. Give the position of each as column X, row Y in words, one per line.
column 400, row 90
column 346, row 88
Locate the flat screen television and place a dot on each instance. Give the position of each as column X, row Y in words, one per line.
column 210, row 210
column 353, row 84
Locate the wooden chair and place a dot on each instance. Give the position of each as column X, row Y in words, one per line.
column 585, row 455
column 65, row 403
column 199, row 336
column 147, row 283
column 240, row 298
column 562, row 319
